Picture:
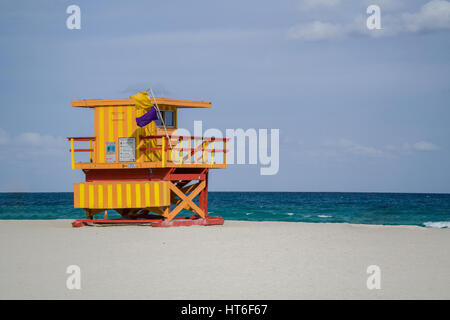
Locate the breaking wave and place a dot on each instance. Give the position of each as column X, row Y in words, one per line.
column 438, row 224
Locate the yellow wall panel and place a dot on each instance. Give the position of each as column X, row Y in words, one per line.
column 117, row 195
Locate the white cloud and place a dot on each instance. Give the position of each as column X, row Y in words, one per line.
column 433, row 16
column 333, row 4
column 390, row 147
column 4, row 137
column 183, row 37
column 29, row 144
column 386, row 5
column 33, row 139
column 348, row 146
column 419, row 146
column 320, row 3
column 316, row 30
column 339, row 147
column 424, row 146
column 289, row 141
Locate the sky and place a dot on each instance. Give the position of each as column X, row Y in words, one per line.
column 358, row 110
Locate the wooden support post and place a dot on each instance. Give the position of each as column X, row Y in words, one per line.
column 187, row 200
column 72, row 153
column 203, row 197
column 166, row 212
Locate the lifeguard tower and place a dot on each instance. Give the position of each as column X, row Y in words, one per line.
column 147, row 174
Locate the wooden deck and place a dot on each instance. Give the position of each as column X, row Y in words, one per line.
column 155, row 164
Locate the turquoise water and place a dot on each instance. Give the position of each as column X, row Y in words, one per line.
column 430, row 210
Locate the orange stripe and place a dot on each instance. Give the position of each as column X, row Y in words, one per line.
column 119, row 195
column 101, row 134
column 147, row 194
column 93, row 192
column 138, row 133
column 109, row 197
column 124, row 195
column 83, row 191
column 86, row 196
column 157, row 196
column 76, row 195
column 96, row 129
column 168, row 193
column 133, row 121
column 138, row 195
column 164, row 188
column 152, row 194
column 90, row 196
column 123, row 116
column 114, row 196
column 106, row 127
column 129, row 116
column 133, row 195
column 110, row 125
column 115, row 131
column 116, row 122
column 100, row 196
column 120, row 121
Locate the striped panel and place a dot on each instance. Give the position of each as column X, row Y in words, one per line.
column 112, row 123
column 116, row 195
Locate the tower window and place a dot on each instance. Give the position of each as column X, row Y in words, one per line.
column 168, row 117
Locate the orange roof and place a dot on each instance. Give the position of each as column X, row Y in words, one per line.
column 178, row 103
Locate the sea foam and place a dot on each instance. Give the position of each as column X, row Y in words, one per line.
column 438, row 224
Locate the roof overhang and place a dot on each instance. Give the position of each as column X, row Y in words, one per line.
column 178, row 103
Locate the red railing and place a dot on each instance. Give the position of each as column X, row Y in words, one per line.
column 73, row 150
column 184, row 154
column 183, row 149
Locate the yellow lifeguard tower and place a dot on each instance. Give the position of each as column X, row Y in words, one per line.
column 147, row 174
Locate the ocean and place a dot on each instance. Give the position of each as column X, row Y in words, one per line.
column 426, row 210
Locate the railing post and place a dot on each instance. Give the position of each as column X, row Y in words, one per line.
column 72, row 153
column 181, row 151
column 212, row 153
column 225, row 152
column 189, row 159
column 163, row 151
column 195, row 151
column 204, row 146
column 90, row 152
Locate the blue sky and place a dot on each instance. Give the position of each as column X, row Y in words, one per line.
column 357, row 110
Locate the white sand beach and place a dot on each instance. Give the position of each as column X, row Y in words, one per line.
column 240, row 260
